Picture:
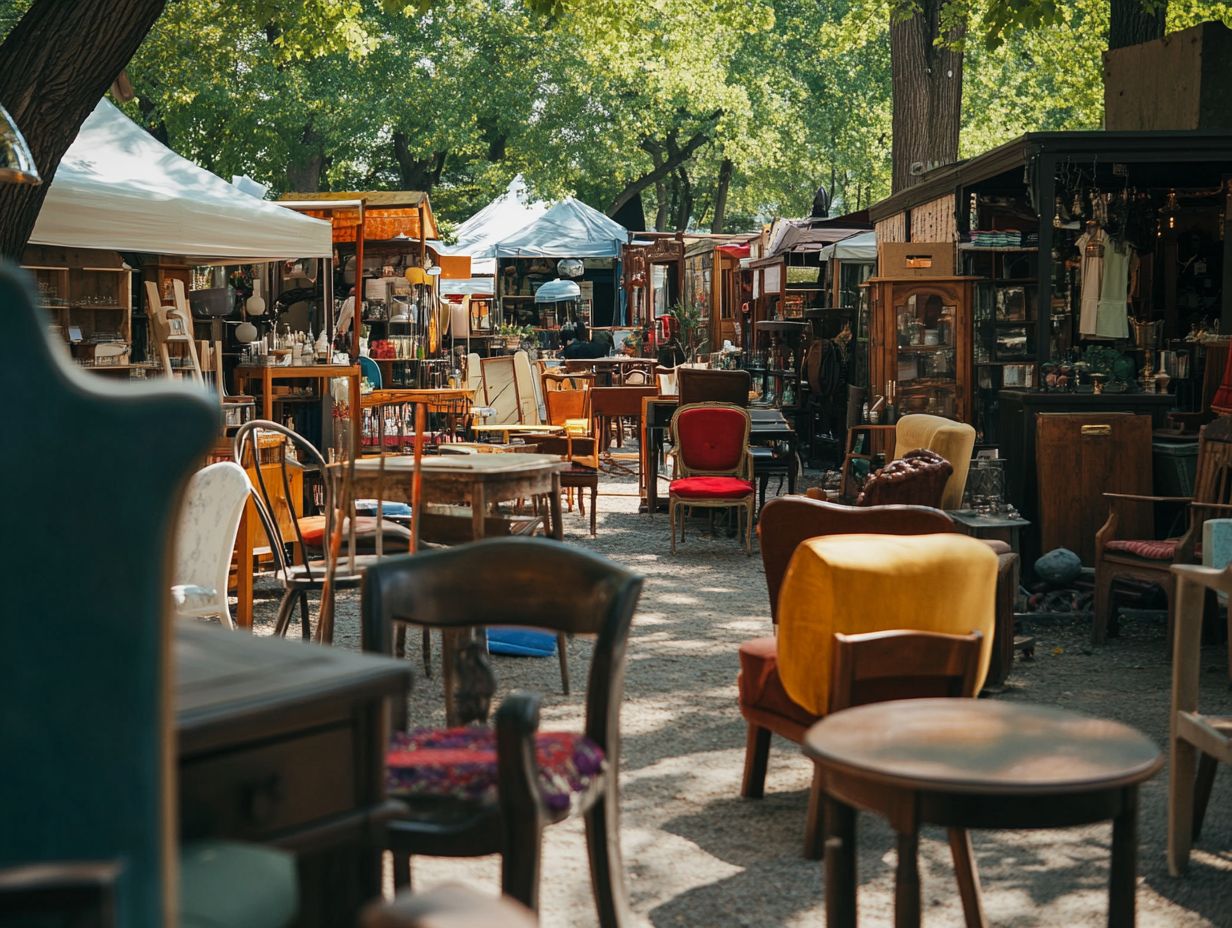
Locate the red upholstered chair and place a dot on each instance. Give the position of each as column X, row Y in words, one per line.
column 714, row 469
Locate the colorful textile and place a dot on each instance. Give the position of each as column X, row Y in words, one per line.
column 1151, row 550
column 710, row 488
column 460, row 763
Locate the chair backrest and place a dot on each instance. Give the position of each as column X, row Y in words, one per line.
column 566, row 396
column 614, row 402
column 710, row 438
column 370, row 369
column 851, row 584
column 274, row 499
column 525, row 582
column 788, row 520
column 91, row 627
column 700, row 385
column 209, row 519
column 952, row 440
column 881, row 666
column 579, row 449
column 1213, row 481
column 919, row 478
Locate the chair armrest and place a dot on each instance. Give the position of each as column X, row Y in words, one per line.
column 72, row 889
column 517, row 768
column 448, row 906
column 1142, row 498
column 1219, row 507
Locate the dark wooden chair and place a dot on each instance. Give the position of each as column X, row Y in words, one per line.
column 1152, row 560
column 326, row 575
column 702, row 385
column 583, row 472
column 527, row 582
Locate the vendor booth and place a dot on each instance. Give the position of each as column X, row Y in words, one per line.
column 530, row 258
column 123, row 203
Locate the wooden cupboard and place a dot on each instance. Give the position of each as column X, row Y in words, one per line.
column 921, row 344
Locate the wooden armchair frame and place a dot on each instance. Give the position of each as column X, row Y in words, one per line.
column 682, row 470
column 533, row 583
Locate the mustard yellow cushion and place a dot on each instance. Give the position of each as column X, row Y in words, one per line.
column 870, row 583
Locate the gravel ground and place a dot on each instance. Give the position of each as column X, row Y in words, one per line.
column 697, row 854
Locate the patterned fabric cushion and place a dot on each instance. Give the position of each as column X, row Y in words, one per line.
column 711, row 488
column 460, row 763
column 1152, row 550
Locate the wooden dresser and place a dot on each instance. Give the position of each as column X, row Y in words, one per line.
column 283, row 743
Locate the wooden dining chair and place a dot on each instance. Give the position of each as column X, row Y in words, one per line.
column 1198, row 742
column 517, row 779
column 1152, row 560
column 701, row 385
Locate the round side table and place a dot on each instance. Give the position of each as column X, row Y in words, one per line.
column 968, row 763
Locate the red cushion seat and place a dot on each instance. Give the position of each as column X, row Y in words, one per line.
column 460, row 763
column 710, row 488
column 762, row 697
column 1163, row 550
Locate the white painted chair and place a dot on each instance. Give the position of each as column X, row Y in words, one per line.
column 205, row 538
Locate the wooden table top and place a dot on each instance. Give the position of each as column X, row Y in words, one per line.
column 473, row 465
column 299, row 370
column 514, row 427
column 224, row 677
column 416, row 395
column 982, row 747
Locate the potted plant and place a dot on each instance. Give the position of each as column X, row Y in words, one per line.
column 687, row 321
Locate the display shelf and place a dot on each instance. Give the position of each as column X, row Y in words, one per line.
column 998, row 249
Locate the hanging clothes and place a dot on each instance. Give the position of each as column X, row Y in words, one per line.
column 1106, row 269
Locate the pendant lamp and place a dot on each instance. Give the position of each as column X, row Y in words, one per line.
column 16, row 162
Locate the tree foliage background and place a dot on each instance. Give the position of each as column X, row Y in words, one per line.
column 719, row 113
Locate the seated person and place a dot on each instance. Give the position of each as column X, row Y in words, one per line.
column 577, row 344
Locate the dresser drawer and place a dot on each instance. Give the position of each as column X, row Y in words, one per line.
column 260, row 790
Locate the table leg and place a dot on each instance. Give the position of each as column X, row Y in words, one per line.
column 653, row 442
column 840, row 865
column 558, row 525
column 267, row 393
column 357, row 416
column 1123, row 883
column 793, row 470
column 479, row 507
column 907, row 881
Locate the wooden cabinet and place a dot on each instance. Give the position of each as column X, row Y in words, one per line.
column 921, row 343
column 88, row 298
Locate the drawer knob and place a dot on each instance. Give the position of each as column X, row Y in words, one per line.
column 262, row 798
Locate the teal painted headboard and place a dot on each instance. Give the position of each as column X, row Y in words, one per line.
column 93, row 472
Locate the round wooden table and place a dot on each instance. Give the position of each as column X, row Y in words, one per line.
column 968, row 763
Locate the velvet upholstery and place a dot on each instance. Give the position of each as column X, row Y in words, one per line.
column 954, row 441
column 711, row 488
column 865, row 583
column 712, row 438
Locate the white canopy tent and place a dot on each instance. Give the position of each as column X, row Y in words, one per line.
column 121, row 189
column 570, row 229
column 504, row 217
column 860, row 247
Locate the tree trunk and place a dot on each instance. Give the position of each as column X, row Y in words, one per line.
column 684, row 208
column 927, row 93
column 55, row 65
column 417, row 173
column 661, row 169
column 1129, row 23
column 726, row 168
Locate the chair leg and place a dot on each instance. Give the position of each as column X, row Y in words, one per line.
column 284, row 613
column 305, row 623
column 1103, row 604
column 756, row 757
column 1181, row 780
column 968, row 878
column 562, row 652
column 594, row 507
column 671, row 521
column 520, row 864
column 748, row 530
column 1202, row 791
column 427, row 652
column 402, row 870
column 607, row 871
column 815, row 821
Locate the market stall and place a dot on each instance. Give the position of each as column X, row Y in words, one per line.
column 569, row 231
column 121, row 204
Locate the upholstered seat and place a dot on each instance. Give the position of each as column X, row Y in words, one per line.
column 229, row 885
column 711, row 488
column 763, row 699
column 1163, row 550
column 460, row 763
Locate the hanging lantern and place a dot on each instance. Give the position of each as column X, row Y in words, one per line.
column 570, row 267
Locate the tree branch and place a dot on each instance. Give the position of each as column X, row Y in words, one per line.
column 678, row 157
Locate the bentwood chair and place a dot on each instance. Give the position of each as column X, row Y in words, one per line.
column 517, row 779
column 205, row 539
column 713, row 466
column 326, row 575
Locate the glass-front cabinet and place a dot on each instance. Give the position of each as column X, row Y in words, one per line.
column 921, row 337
